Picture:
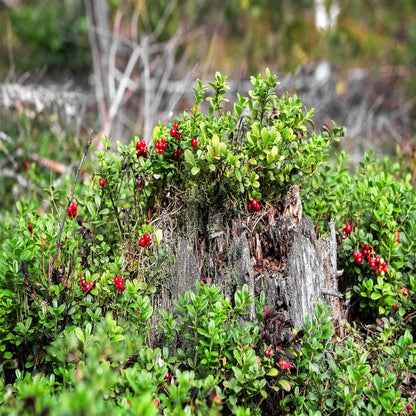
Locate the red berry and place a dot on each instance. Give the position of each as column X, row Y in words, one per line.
column 180, row 151
column 103, row 182
column 83, row 283
column 147, row 237
column 29, row 227
column 157, row 402
column 217, row 400
column 395, row 305
column 359, row 260
column 348, row 227
column 194, row 142
column 142, row 242
column 121, row 286
column 344, row 234
column 301, row 186
column 175, row 126
column 173, row 132
column 249, row 207
column 178, row 136
column 258, row 207
column 167, row 376
column 355, row 254
column 267, row 352
column 147, row 243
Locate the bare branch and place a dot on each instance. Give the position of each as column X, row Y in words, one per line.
column 71, row 198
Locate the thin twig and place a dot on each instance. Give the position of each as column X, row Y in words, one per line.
column 117, row 218
column 71, row 198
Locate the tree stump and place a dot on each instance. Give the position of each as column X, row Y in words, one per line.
column 276, row 251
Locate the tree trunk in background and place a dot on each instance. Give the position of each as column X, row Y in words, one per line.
column 99, row 32
column 275, row 251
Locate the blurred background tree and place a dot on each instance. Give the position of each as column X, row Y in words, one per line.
column 237, row 37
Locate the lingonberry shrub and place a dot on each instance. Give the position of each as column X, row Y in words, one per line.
column 254, row 151
column 377, row 254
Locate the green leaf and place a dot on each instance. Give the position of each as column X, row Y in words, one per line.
column 285, row 384
column 273, row 372
column 80, row 334
column 189, row 157
column 195, row 170
column 238, row 174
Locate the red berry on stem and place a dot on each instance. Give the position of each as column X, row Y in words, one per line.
column 178, row 136
column 194, row 142
column 147, row 237
column 167, row 376
column 217, row 400
column 173, row 132
column 103, row 182
column 29, row 227
column 175, row 126
column 142, row 242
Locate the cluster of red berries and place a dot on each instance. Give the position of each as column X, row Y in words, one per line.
column 268, row 352
column 374, row 261
column 347, row 230
column 119, row 283
column 29, row 227
column 86, row 286
column 253, row 205
column 404, row 291
column 284, row 365
column 194, row 142
column 103, row 182
column 160, row 146
column 174, row 132
column 145, row 241
column 141, row 149
column 177, row 154
column 72, row 210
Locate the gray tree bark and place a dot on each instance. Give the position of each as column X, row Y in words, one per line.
column 281, row 256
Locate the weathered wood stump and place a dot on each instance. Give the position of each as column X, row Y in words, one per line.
column 276, row 251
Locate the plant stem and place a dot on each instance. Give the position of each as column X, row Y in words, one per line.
column 71, row 198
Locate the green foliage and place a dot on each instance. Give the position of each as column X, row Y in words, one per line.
column 92, row 340
column 53, row 33
column 379, row 201
column 347, row 377
column 260, row 149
